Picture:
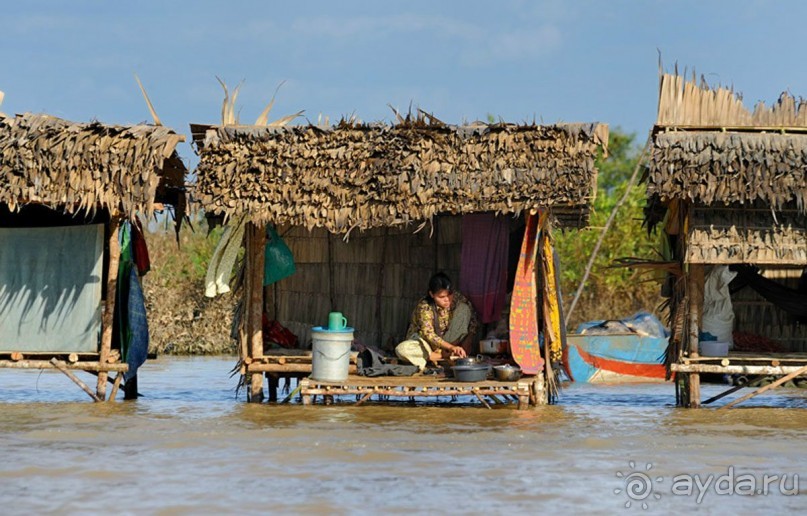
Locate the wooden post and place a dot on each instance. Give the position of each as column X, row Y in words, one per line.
column 107, row 321
column 773, row 385
column 256, row 241
column 115, row 386
column 58, row 364
column 695, row 282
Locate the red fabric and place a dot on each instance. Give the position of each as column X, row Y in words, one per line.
column 275, row 332
column 140, row 252
column 483, row 265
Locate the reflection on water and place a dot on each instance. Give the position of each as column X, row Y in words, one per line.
column 188, row 446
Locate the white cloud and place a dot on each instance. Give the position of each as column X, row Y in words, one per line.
column 517, row 45
column 373, row 26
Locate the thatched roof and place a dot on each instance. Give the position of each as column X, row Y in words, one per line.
column 708, row 148
column 363, row 176
column 83, row 167
column 727, row 167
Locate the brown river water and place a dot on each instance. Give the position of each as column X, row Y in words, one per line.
column 188, row 446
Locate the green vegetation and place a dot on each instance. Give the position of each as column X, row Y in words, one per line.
column 610, row 293
column 181, row 319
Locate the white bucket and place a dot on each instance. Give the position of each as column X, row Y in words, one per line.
column 711, row 348
column 330, row 358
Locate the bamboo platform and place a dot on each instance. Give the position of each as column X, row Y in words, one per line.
column 525, row 392
column 79, row 361
column 286, row 364
column 743, row 363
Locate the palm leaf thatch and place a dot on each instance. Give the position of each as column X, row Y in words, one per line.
column 708, row 148
column 83, row 167
column 356, row 175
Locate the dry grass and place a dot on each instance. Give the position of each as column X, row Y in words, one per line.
column 181, row 319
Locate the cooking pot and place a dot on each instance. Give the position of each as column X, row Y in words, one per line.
column 507, row 373
column 471, row 373
column 493, row 346
column 467, row 361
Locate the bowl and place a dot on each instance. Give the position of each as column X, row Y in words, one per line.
column 507, row 373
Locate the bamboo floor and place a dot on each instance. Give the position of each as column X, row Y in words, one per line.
column 78, row 361
column 743, row 363
column 524, row 393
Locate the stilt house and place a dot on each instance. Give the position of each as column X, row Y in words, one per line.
column 728, row 186
column 371, row 211
column 65, row 189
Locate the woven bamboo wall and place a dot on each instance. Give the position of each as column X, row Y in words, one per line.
column 747, row 234
column 753, row 314
column 374, row 279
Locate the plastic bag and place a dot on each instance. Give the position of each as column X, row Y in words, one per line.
column 718, row 314
column 278, row 260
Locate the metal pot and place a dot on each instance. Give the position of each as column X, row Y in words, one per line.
column 470, row 373
column 493, row 346
column 507, row 373
column 468, row 361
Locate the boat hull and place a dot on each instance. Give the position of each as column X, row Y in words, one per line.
column 615, row 358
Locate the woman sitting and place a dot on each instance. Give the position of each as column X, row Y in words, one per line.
column 443, row 324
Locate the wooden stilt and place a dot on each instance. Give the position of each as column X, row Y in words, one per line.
column 58, row 364
column 695, row 281
column 115, row 386
column 272, row 380
column 768, row 387
column 256, row 241
column 107, row 319
column 724, row 394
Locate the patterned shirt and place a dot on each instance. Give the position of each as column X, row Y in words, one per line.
column 422, row 322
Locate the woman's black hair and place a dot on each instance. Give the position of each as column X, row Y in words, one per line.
column 438, row 282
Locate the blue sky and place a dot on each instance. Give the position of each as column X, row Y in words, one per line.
column 462, row 60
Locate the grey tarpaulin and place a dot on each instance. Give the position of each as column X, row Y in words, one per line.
column 50, row 288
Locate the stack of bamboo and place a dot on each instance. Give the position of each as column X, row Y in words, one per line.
column 364, row 176
column 84, row 167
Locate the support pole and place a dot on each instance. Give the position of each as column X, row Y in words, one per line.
column 109, row 306
column 768, row 387
column 115, row 386
column 58, row 364
column 695, row 281
column 256, row 241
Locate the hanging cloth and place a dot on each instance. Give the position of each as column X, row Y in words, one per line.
column 553, row 327
column 140, row 250
column 222, row 262
column 131, row 323
column 483, row 264
column 524, row 332
column 792, row 301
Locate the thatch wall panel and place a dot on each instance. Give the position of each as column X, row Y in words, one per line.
column 78, row 167
column 753, row 234
column 364, row 176
column 729, row 167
